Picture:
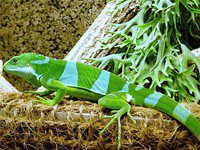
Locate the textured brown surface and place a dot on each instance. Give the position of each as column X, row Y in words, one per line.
column 5, row 86
column 48, row 27
column 76, row 124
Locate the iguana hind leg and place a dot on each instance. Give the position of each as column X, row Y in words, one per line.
column 117, row 101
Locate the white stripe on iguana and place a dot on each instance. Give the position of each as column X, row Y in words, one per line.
column 70, row 74
column 129, row 97
column 153, row 99
column 101, row 84
column 45, row 61
column 126, row 87
column 138, row 87
column 181, row 113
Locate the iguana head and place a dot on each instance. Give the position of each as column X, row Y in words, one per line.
column 28, row 66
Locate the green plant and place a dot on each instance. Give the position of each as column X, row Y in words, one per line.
column 149, row 46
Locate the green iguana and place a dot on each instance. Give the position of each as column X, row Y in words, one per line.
column 83, row 81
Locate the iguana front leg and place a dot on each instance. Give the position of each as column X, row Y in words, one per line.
column 52, row 85
column 57, row 99
column 61, row 90
column 119, row 102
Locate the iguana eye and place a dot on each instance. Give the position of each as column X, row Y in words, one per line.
column 15, row 61
column 28, row 65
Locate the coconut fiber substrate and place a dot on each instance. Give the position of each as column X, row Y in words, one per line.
column 75, row 124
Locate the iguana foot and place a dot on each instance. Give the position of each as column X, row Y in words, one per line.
column 119, row 102
column 117, row 116
column 45, row 101
column 59, row 96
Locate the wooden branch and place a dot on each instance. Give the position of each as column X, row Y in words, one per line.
column 89, row 43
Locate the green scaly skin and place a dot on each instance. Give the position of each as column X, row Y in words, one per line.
column 109, row 90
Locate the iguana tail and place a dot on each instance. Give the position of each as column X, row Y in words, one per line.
column 171, row 107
